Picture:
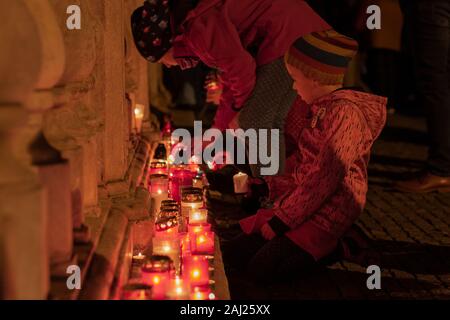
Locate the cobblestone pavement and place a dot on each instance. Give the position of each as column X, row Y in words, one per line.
column 411, row 232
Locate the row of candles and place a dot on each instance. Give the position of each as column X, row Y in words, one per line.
column 182, row 260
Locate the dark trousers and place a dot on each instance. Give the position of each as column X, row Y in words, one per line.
column 427, row 24
column 269, row 261
column 384, row 73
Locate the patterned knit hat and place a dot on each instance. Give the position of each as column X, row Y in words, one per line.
column 322, row 56
column 151, row 29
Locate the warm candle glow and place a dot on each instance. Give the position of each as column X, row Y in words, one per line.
column 203, row 243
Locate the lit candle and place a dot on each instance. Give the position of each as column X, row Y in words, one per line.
column 199, row 227
column 139, row 116
column 155, row 272
column 180, row 178
column 136, row 291
column 159, row 167
column 159, row 184
column 170, row 247
column 138, row 259
column 198, row 216
column 203, row 243
column 196, row 270
column 192, row 198
column 202, row 293
column 166, row 224
column 240, row 181
column 178, row 289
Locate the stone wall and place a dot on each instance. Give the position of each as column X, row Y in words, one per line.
column 72, row 163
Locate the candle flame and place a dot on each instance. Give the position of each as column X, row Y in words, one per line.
column 201, row 239
column 156, row 280
column 166, row 248
column 196, row 273
column 198, row 295
column 159, row 191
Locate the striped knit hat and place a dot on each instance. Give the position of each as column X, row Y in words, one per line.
column 322, row 56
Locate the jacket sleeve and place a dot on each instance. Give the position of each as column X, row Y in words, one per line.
column 215, row 40
column 225, row 112
column 339, row 145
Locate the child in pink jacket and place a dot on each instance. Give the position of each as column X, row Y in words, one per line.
column 329, row 132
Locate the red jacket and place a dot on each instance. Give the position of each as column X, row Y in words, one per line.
column 324, row 189
column 222, row 32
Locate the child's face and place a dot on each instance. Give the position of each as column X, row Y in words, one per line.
column 305, row 87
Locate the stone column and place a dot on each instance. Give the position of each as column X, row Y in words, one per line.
column 73, row 126
column 23, row 246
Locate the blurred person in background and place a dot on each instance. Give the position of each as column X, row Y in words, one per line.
column 428, row 31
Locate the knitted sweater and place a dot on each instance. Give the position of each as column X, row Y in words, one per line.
column 324, row 189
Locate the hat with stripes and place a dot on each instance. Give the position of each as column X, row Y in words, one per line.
column 322, row 56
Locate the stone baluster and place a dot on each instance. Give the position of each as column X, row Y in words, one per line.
column 73, row 126
column 23, row 245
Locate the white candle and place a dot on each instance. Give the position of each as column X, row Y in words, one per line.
column 240, row 181
column 139, row 116
column 170, row 247
column 198, row 215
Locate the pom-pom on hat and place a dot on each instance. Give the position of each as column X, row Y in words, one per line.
column 150, row 25
column 322, row 56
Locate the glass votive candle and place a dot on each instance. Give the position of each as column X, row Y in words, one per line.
column 159, row 186
column 160, row 152
column 196, row 270
column 159, row 167
column 138, row 259
column 199, row 227
column 155, row 272
column 136, row 291
column 202, row 243
column 180, row 178
column 170, row 247
column 166, row 225
column 198, row 215
column 202, row 293
column 178, row 289
column 159, row 182
column 170, row 202
column 192, row 198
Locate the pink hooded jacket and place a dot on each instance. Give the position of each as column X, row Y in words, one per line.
column 221, row 33
column 324, row 189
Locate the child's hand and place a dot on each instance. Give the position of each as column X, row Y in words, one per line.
column 267, row 232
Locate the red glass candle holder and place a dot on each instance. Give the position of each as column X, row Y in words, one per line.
column 136, row 291
column 199, row 227
column 155, row 272
column 196, row 270
column 202, row 243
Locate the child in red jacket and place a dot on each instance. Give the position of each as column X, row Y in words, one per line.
column 330, row 131
column 244, row 39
